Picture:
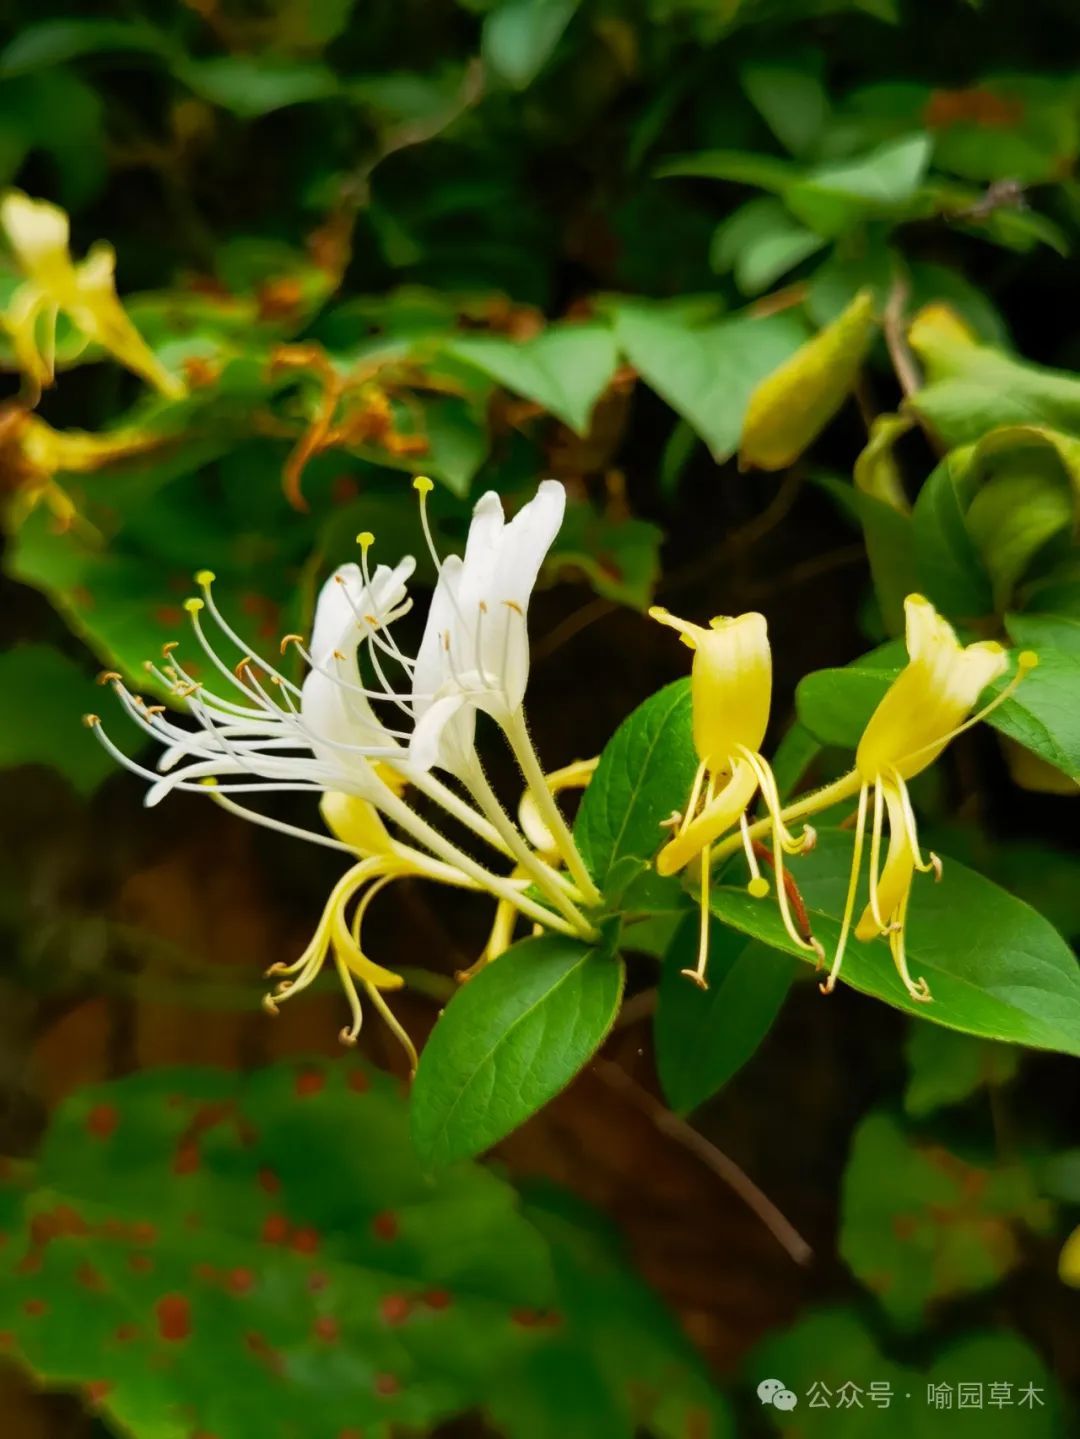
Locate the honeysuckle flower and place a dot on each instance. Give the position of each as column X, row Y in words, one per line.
column 38, row 234
column 926, row 706
column 731, row 692
column 344, row 735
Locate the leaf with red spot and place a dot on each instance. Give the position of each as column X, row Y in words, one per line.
column 353, row 1285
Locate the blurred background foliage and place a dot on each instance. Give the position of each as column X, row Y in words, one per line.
column 490, row 240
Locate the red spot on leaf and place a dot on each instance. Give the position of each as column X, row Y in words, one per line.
column 305, row 1240
column 239, row 1281
column 126, row 1333
column 387, row 1385
column 30, row 1263
column 99, row 1389
column 327, row 1329
column 186, row 1159
column 206, row 1273
column 438, row 1299
column 317, row 1281
column 343, row 488
column 276, row 1229
column 269, row 1183
column 309, row 1082
column 7, row 1339
column 526, row 1318
column 173, row 1313
column 171, row 616
column 140, row 1263
column 35, row 1308
column 385, row 1226
column 358, row 1081
column 351, row 1434
column 264, row 1351
column 102, row 1120
column 89, row 1277
column 143, row 1233
column 394, row 1309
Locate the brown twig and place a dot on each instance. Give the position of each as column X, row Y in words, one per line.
column 892, row 324
column 683, row 1134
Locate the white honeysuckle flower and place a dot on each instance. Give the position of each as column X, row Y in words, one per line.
column 474, row 654
column 347, row 735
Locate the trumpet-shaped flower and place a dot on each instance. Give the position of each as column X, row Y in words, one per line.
column 344, row 735
column 925, row 707
column 38, row 234
column 731, row 691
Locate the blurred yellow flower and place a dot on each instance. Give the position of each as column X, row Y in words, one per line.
column 38, row 235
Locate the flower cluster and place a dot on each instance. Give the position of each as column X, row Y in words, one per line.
column 370, row 722
column 928, row 704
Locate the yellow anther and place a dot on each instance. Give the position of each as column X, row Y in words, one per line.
column 209, row 781
column 288, row 640
column 1027, row 660
column 422, row 485
column 205, row 577
column 155, row 709
column 513, row 605
column 108, row 677
column 365, row 539
column 91, row 720
column 194, row 605
column 758, row 887
column 240, row 666
column 167, row 649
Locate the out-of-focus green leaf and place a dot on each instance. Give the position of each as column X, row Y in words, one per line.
column 949, row 568
column 520, row 36
column 831, row 198
column 767, row 172
column 791, row 100
column 846, row 1386
column 761, row 242
column 945, row 1068
column 994, row 966
column 54, row 42
column 250, row 86
column 703, row 1039
column 509, row 1040
column 565, row 369
column 43, row 695
column 707, row 373
column 902, row 1197
column 389, row 1297
column 620, row 557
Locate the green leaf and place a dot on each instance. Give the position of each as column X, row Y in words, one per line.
column 833, row 198
column 620, row 557
column 243, row 1251
column 790, row 99
column 1041, row 632
column 902, row 1197
column 510, row 1040
column 645, row 771
column 767, row 172
column 565, row 369
column 43, row 696
column 520, row 36
column 1044, row 713
column 947, row 563
column 251, row 86
column 761, row 242
column 995, row 967
column 55, row 42
column 946, row 1068
column 831, row 1360
column 703, row 1039
column 707, row 373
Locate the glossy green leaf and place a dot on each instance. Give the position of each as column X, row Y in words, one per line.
column 791, row 100
column 994, row 966
column 707, row 373
column 946, row 1068
column 509, row 1041
column 903, row 1196
column 1044, row 715
column 645, row 772
column 702, row 1039
column 565, row 369
column 278, row 1223
column 949, row 568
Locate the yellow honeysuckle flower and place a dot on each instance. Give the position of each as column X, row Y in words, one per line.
column 38, row 234
column 926, row 706
column 731, row 690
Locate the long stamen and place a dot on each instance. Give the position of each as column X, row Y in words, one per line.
column 423, row 487
column 365, row 541
column 695, row 795
column 853, row 884
column 697, row 974
column 758, row 886
column 918, row 988
column 925, row 866
column 205, row 579
column 875, row 854
column 759, row 768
